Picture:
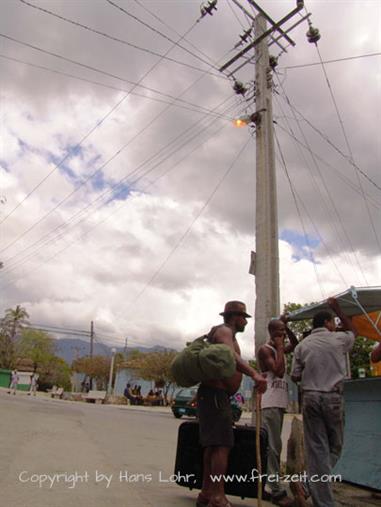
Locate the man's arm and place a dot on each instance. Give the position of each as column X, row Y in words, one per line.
column 291, row 336
column 376, row 354
column 224, row 335
column 269, row 362
column 345, row 321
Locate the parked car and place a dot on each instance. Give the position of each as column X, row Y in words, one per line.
column 185, row 403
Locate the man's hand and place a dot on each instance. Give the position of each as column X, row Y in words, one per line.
column 333, row 304
column 279, row 341
column 260, row 383
column 284, row 317
column 345, row 321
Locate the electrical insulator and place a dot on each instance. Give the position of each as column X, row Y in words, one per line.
column 208, row 8
column 273, row 62
column 239, row 88
column 245, row 35
column 313, row 34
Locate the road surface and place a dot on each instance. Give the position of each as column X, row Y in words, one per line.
column 58, row 453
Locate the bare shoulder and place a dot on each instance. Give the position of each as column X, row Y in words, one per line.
column 223, row 334
column 264, row 351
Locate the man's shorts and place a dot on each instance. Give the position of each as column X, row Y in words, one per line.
column 215, row 417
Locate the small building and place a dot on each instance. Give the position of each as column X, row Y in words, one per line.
column 24, row 379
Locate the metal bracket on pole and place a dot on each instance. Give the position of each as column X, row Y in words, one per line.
column 274, row 26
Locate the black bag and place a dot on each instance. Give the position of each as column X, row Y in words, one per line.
column 242, row 467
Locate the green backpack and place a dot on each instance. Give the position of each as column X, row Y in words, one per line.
column 202, row 361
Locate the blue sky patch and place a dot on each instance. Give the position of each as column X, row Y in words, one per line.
column 63, row 167
column 4, row 165
column 121, row 192
column 98, row 181
column 302, row 247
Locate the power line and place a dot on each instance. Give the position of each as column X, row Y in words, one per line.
column 105, row 347
column 155, row 30
column 300, row 215
column 48, row 330
column 192, row 107
column 172, row 29
column 313, row 64
column 328, row 140
column 61, row 328
column 314, row 181
column 45, row 239
column 331, row 200
column 321, row 239
column 116, row 39
column 348, row 145
column 97, row 171
column 341, row 176
column 185, row 234
column 18, row 263
column 80, row 143
column 235, row 15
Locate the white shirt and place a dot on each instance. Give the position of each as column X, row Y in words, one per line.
column 320, row 359
column 276, row 394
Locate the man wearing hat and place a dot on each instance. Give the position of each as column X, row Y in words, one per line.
column 214, row 409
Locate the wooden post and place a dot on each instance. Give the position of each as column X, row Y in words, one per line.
column 258, row 398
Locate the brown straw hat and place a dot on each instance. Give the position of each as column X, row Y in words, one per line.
column 235, row 307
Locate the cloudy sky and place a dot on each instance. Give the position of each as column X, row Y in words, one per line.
column 128, row 197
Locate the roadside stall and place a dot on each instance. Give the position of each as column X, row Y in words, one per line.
column 360, row 462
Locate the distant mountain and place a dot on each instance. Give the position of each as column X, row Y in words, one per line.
column 73, row 348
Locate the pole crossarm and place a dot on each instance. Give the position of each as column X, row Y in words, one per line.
column 236, row 2
column 273, row 41
column 275, row 26
column 272, row 22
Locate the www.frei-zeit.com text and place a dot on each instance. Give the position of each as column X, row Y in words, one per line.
column 73, row 479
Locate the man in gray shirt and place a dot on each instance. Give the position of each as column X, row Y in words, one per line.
column 319, row 363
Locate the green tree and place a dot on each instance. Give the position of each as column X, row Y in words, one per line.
column 39, row 347
column 96, row 367
column 15, row 319
column 360, row 356
column 155, row 366
column 298, row 327
column 12, row 322
column 54, row 370
column 35, row 345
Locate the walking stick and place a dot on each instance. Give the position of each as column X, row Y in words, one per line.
column 258, row 398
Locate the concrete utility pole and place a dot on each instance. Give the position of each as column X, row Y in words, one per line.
column 265, row 261
column 109, row 387
column 91, row 338
column 91, row 348
column 266, row 223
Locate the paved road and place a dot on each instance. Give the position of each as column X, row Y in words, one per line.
column 101, row 456
column 122, row 457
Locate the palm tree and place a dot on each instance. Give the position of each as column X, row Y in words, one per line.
column 15, row 319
